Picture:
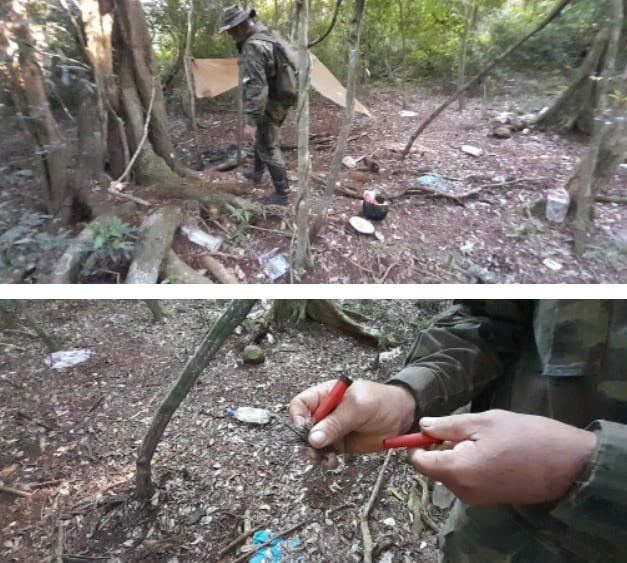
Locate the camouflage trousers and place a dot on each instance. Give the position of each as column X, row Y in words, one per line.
column 480, row 534
column 267, row 142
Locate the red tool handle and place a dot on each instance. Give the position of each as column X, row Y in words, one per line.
column 332, row 399
column 416, row 440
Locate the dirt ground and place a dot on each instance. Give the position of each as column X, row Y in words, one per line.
column 487, row 237
column 69, row 439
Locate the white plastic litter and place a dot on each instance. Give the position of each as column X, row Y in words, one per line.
column 407, row 113
column 274, row 264
column 557, row 203
column 362, row 225
column 67, row 358
column 251, row 415
column 202, row 238
column 349, row 162
column 472, row 151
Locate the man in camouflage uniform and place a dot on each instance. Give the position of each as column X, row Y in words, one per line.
column 549, row 485
column 265, row 112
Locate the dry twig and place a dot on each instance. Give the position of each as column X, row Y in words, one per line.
column 11, row 490
column 239, row 539
column 363, row 515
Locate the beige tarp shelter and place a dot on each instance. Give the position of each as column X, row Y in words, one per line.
column 214, row 76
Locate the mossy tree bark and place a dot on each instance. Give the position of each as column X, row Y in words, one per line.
column 210, row 344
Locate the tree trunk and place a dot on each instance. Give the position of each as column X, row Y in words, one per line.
column 302, row 254
column 29, row 97
column 608, row 146
column 320, row 215
column 574, row 109
column 212, row 341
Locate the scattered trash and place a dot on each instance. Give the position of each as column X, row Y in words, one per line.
column 201, row 238
column 433, row 180
column 407, row 113
column 251, row 415
column 349, row 162
column 552, row 264
column 275, row 265
column 442, row 497
column 374, row 206
column 389, row 522
column 362, row 225
column 557, row 203
column 472, row 151
column 422, row 545
column 67, row 358
column 273, row 553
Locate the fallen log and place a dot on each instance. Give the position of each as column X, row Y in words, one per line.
column 68, row 266
column 217, row 270
column 155, row 239
column 175, row 269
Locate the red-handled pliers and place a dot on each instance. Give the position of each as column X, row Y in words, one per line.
column 332, row 398
column 416, row 440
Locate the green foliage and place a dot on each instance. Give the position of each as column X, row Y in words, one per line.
column 563, row 43
column 25, row 239
column 112, row 247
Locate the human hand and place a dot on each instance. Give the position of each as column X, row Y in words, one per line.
column 249, row 133
column 368, row 413
column 501, row 457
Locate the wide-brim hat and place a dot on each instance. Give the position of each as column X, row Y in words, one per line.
column 234, row 15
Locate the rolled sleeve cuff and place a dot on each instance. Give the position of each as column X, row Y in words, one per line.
column 597, row 504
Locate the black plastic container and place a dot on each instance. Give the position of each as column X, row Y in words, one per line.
column 376, row 211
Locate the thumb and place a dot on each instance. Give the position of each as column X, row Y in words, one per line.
column 454, row 428
column 329, row 430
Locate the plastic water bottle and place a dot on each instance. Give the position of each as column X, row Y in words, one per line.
column 251, row 415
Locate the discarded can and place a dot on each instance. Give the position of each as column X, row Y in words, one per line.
column 557, row 203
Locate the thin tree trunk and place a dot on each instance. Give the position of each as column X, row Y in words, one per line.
column 302, row 256
column 29, row 96
column 608, row 145
column 188, row 72
column 212, row 341
column 554, row 14
column 351, row 81
column 470, row 14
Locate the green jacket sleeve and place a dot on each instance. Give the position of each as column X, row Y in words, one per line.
column 597, row 504
column 254, row 61
column 466, row 350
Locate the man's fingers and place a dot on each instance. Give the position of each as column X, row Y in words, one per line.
column 455, row 428
column 434, row 463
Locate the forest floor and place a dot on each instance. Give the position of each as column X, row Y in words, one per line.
column 70, row 437
column 485, row 233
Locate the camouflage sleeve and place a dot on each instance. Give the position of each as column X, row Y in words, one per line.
column 466, row 350
column 256, row 57
column 597, row 505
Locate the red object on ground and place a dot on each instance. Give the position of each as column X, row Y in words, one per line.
column 416, row 440
column 332, row 399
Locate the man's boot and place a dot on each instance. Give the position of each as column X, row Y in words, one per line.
column 281, row 187
column 257, row 174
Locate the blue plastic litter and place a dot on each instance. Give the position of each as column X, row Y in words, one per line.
column 274, row 552
column 433, row 180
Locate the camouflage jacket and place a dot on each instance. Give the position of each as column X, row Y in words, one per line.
column 564, row 359
column 257, row 68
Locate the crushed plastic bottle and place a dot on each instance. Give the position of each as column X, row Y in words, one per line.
column 251, row 415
